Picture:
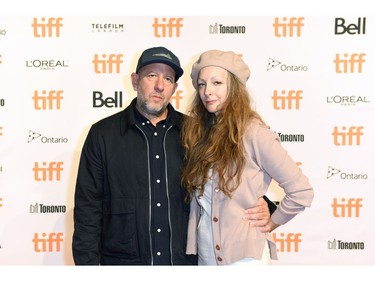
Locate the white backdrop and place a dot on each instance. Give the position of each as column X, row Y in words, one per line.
column 312, row 81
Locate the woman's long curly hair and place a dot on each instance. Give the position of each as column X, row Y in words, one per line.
column 216, row 141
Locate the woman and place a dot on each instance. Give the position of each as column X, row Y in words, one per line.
column 231, row 157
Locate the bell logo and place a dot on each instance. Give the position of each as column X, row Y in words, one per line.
column 47, row 27
column 354, row 28
column 48, row 244
column 290, row 243
column 166, row 27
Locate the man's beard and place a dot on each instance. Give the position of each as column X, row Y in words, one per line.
column 145, row 107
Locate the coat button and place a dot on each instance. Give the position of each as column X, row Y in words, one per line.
column 215, row 219
column 217, row 247
column 219, row 259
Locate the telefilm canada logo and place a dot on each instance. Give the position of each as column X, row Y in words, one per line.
column 107, row 27
column 337, row 173
column 276, row 64
column 34, row 136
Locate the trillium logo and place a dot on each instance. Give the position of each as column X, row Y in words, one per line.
column 33, row 136
column 332, row 171
column 272, row 64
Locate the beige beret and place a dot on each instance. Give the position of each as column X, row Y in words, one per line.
column 227, row 60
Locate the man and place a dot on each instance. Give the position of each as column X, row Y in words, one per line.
column 129, row 202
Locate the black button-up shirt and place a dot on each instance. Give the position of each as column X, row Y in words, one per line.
column 159, row 201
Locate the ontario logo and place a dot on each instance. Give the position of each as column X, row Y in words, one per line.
column 334, row 172
column 34, row 136
column 273, row 64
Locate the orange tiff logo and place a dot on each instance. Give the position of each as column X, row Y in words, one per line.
column 287, row 242
column 47, row 27
column 288, row 27
column 48, row 171
column 286, row 99
column 48, row 242
column 176, row 98
column 167, row 27
column 347, row 136
column 347, row 208
column 349, row 63
column 48, row 100
column 107, row 65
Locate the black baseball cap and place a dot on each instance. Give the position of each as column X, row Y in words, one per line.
column 160, row 55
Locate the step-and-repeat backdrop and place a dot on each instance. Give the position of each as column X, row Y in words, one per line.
column 312, row 80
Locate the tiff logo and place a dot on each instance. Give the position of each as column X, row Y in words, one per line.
column 288, row 27
column 107, row 65
column 47, row 99
column 286, row 99
column 47, row 172
column 47, row 27
column 345, row 65
column 346, row 209
column 166, row 27
column 176, row 98
column 48, row 244
column 351, row 136
column 289, row 243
